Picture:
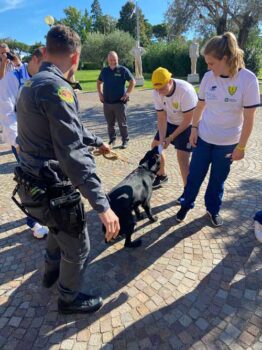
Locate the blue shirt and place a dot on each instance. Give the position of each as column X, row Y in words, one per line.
column 114, row 83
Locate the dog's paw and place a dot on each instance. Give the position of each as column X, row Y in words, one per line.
column 153, row 218
column 135, row 244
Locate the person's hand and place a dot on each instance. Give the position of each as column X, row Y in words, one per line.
column 193, row 137
column 167, row 141
column 237, row 154
column 111, row 223
column 101, row 97
column 104, row 148
column 125, row 98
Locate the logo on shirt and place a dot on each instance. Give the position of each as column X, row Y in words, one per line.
column 213, row 88
column 175, row 105
column 232, row 90
column 230, row 99
column 65, row 94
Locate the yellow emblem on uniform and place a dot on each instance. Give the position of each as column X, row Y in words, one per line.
column 65, row 94
column 28, row 83
column 175, row 105
column 232, row 90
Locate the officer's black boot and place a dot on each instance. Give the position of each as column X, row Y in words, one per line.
column 50, row 278
column 82, row 304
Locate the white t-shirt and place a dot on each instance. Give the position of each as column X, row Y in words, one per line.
column 9, row 87
column 181, row 100
column 225, row 99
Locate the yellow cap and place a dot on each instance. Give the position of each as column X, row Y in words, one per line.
column 160, row 77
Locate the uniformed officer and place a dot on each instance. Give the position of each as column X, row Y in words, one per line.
column 54, row 162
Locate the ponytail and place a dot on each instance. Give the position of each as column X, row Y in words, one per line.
column 226, row 45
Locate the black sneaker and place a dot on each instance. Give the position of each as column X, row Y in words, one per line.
column 50, row 278
column 82, row 304
column 215, row 219
column 112, row 143
column 181, row 214
column 159, row 181
column 124, row 144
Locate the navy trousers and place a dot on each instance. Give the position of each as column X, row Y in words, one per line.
column 216, row 157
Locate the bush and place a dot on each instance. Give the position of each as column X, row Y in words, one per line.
column 173, row 56
column 97, row 46
column 89, row 66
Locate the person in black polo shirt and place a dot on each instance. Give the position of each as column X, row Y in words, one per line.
column 114, row 96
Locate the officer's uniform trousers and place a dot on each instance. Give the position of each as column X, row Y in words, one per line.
column 66, row 252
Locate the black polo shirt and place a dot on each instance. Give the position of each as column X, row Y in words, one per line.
column 114, row 82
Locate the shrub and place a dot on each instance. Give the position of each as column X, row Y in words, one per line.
column 173, row 56
column 97, row 46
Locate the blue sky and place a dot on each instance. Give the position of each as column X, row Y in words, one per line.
column 23, row 20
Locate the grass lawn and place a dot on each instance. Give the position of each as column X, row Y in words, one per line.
column 88, row 78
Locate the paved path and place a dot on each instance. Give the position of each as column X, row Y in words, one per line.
column 190, row 286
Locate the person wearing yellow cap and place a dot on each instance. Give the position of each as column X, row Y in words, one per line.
column 174, row 101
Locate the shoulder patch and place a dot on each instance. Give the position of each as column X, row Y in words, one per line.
column 28, row 83
column 65, row 94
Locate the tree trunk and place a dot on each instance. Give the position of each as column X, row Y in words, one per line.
column 244, row 30
column 221, row 26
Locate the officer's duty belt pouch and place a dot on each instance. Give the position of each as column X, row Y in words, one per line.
column 68, row 213
column 58, row 206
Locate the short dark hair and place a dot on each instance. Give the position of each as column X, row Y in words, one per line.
column 38, row 52
column 62, row 40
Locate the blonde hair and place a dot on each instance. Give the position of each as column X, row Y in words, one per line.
column 226, row 45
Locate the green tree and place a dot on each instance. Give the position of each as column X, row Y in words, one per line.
column 80, row 23
column 209, row 16
column 16, row 46
column 128, row 20
column 107, row 24
column 96, row 15
column 97, row 46
column 160, row 31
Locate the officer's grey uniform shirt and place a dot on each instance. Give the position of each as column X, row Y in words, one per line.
column 49, row 129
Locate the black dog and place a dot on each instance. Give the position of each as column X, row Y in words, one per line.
column 133, row 191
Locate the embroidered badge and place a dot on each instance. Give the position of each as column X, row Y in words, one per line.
column 28, row 83
column 175, row 105
column 232, row 90
column 65, row 94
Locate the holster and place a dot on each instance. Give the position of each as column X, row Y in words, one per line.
column 67, row 210
column 57, row 206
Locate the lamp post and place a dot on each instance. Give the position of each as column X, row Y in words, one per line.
column 137, row 25
column 49, row 20
column 138, row 51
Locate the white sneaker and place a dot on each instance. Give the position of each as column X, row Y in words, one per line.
column 39, row 231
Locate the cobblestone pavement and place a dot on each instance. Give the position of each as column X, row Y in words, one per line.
column 189, row 286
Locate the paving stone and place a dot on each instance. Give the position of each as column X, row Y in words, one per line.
column 190, row 286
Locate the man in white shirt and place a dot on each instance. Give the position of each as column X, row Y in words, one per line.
column 13, row 79
column 174, row 101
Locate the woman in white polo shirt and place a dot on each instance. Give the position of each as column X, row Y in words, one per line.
column 222, row 122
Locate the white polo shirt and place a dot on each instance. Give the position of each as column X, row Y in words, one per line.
column 183, row 99
column 225, row 99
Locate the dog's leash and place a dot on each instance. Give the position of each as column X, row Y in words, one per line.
column 111, row 156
